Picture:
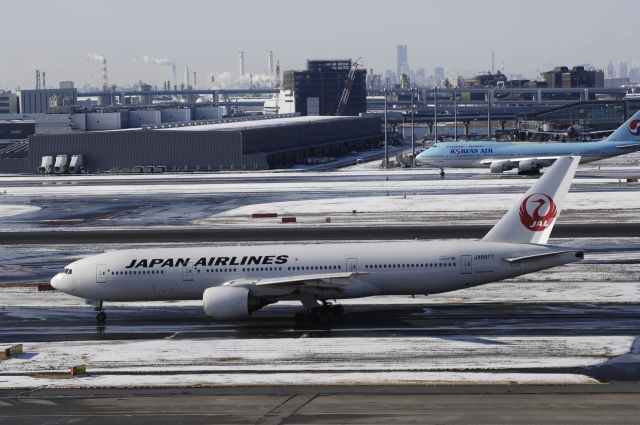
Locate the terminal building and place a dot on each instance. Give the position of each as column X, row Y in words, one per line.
column 227, row 144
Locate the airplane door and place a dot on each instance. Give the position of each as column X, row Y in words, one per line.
column 187, row 274
column 465, row 264
column 101, row 273
column 352, row 264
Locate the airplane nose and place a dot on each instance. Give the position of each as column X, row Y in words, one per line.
column 58, row 282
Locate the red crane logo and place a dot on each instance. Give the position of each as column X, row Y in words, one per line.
column 542, row 216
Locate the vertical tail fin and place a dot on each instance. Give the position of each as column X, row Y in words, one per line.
column 627, row 132
column 533, row 217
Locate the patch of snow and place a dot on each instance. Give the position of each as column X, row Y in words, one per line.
column 10, row 210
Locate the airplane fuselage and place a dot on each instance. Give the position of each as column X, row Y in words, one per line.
column 483, row 153
column 413, row 267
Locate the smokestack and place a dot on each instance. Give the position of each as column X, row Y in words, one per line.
column 241, row 62
column 105, row 80
column 187, row 79
column 194, row 79
column 44, row 84
column 270, row 61
column 173, row 70
column 37, row 79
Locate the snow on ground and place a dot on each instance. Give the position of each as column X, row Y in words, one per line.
column 580, row 206
column 311, row 360
column 9, row 210
column 251, row 379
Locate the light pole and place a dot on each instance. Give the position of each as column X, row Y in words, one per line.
column 413, row 134
column 435, row 114
column 489, row 91
column 455, row 115
column 386, row 149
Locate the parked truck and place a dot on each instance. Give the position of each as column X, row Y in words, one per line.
column 46, row 166
column 62, row 164
column 76, row 165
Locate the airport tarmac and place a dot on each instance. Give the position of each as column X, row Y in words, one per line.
column 485, row 404
column 143, row 201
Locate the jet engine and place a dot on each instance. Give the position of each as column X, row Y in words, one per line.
column 500, row 166
column 230, row 302
column 529, row 166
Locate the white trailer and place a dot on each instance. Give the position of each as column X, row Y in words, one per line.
column 62, row 164
column 46, row 166
column 76, row 165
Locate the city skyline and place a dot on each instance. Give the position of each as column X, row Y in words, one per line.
column 141, row 40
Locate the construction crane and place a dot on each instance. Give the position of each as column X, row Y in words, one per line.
column 342, row 105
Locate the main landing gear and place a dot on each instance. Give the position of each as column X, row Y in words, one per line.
column 101, row 316
column 321, row 314
column 442, row 173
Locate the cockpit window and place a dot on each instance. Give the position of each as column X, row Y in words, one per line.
column 68, row 271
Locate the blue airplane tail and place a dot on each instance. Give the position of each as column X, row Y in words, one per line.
column 627, row 132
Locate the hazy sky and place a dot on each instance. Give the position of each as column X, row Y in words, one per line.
column 528, row 37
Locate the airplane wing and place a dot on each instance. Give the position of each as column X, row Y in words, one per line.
column 515, row 161
column 329, row 280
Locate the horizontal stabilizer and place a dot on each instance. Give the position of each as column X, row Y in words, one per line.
column 536, row 256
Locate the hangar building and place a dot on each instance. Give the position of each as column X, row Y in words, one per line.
column 258, row 143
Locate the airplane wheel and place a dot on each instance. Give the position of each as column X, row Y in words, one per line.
column 322, row 317
column 300, row 317
column 101, row 316
column 442, row 173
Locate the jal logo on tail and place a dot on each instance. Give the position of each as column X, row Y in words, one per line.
column 537, row 212
column 634, row 127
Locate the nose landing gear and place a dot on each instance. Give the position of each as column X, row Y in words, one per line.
column 101, row 316
column 442, row 172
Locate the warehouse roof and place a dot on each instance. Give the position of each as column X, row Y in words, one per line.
column 260, row 123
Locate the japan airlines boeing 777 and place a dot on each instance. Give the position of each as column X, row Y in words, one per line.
column 235, row 281
column 529, row 157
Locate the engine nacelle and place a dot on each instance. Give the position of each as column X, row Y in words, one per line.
column 500, row 166
column 529, row 166
column 229, row 302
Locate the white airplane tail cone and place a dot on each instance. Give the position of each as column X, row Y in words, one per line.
column 533, row 217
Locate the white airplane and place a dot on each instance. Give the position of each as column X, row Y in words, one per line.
column 235, row 281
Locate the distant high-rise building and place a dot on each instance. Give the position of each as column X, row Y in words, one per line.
column 241, row 63
column 403, row 60
column 634, row 75
column 389, row 75
column 438, row 74
column 577, row 77
column 421, row 77
column 624, row 70
column 66, row 84
column 611, row 71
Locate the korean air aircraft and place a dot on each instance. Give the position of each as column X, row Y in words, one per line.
column 527, row 157
column 234, row 281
